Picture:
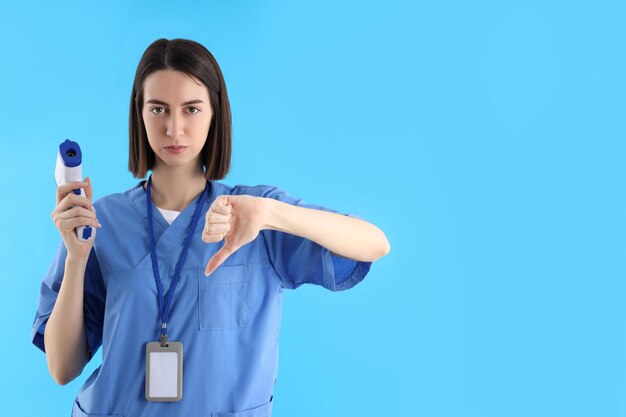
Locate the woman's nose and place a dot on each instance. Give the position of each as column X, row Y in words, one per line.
column 175, row 125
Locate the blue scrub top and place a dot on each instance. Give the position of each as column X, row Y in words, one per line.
column 228, row 322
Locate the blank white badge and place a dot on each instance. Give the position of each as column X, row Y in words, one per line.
column 164, row 371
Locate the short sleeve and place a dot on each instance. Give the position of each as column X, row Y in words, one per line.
column 299, row 261
column 93, row 299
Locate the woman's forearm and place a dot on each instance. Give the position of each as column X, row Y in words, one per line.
column 64, row 335
column 343, row 235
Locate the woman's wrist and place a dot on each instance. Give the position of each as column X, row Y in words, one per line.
column 268, row 206
column 76, row 260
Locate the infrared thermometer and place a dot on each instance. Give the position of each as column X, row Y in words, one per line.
column 69, row 168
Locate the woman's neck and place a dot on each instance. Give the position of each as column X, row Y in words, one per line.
column 174, row 188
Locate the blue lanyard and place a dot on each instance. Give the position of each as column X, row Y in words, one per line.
column 164, row 304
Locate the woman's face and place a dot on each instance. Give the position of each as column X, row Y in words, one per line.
column 176, row 112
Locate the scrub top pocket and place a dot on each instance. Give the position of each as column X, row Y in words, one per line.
column 77, row 411
column 223, row 298
column 264, row 410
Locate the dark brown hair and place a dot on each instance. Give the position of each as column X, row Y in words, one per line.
column 194, row 59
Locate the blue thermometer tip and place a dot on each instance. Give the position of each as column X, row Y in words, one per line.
column 70, row 153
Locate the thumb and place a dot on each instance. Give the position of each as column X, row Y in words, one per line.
column 88, row 189
column 216, row 260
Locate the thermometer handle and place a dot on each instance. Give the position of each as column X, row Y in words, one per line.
column 69, row 168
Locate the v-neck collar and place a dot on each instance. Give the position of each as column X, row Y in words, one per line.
column 169, row 237
column 188, row 211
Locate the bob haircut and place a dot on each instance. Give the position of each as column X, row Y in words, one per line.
column 194, row 59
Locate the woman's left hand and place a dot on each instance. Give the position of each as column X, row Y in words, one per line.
column 237, row 219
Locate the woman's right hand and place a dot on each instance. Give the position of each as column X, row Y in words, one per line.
column 72, row 211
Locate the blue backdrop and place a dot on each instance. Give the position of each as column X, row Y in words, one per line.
column 486, row 139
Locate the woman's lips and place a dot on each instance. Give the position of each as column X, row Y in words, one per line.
column 175, row 149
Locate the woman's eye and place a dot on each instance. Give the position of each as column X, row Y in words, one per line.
column 197, row 110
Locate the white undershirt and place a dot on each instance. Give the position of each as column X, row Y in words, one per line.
column 169, row 215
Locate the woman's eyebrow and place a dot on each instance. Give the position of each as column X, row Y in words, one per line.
column 155, row 101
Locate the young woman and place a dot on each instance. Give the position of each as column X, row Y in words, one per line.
column 143, row 279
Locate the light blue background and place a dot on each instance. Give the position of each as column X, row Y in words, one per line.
column 486, row 139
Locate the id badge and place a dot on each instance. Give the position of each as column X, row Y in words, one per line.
column 164, row 371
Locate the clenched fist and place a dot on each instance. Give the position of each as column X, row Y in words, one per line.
column 237, row 219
